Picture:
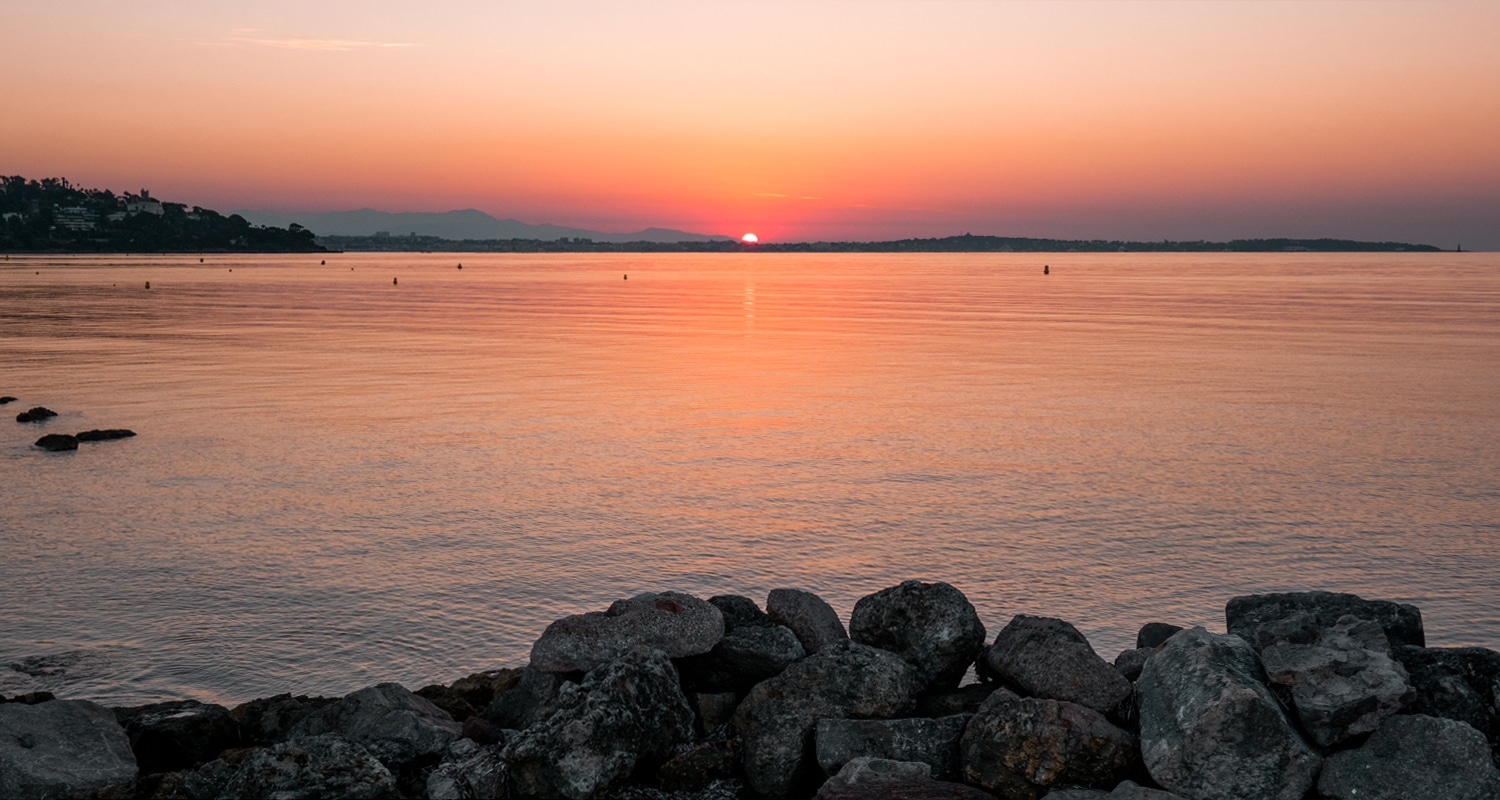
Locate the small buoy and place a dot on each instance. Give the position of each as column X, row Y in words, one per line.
column 1046, row 270
column 460, row 266
column 627, row 277
column 325, row 261
column 148, row 284
column 231, row 269
column 393, row 281
column 200, row 261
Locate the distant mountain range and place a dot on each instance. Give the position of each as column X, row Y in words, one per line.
column 458, row 225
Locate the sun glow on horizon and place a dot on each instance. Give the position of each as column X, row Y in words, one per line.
column 749, row 238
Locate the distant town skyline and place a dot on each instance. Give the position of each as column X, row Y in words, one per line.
column 795, row 121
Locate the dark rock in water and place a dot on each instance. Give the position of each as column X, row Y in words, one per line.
column 776, row 720
column 1247, row 615
column 916, row 789
column 316, row 766
column 394, row 725
column 1155, row 634
column 1049, row 658
column 57, row 442
column 105, row 435
column 30, row 698
column 481, row 730
column 1343, row 684
column 815, row 622
column 63, row 748
column 7, row 399
column 674, row 623
column 1130, row 662
column 1020, row 747
column 626, row 711
column 700, row 766
column 270, row 719
column 933, row 742
column 963, row 700
column 177, row 735
column 1459, row 683
column 1210, row 728
column 933, row 626
column 36, row 414
column 528, row 702
column 745, row 656
column 1413, row 756
column 740, row 612
column 469, row 771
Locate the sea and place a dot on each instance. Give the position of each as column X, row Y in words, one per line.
column 355, row 468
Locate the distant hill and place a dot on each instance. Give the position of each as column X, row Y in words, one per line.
column 458, row 225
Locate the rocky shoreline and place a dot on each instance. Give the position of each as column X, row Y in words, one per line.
column 668, row 696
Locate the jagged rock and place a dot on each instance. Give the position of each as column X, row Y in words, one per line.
column 177, row 735
column 933, row 742
column 1245, row 615
column 868, row 769
column 1212, row 730
column 470, row 771
column 745, row 656
column 1130, row 662
column 36, row 414
column 963, row 700
column 62, row 748
column 1020, row 747
column 269, row 720
column 776, row 720
column 700, row 766
column 1049, row 658
column 1460, row 683
column 1413, row 756
column 933, row 626
column 1155, row 634
column 912, row 789
column 815, row 622
column 626, row 710
column 528, row 702
column 312, row 767
column 57, row 442
column 674, row 623
column 394, row 725
column 740, row 612
column 105, row 435
column 715, row 710
column 1343, row 684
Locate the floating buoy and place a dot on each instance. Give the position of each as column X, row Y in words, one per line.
column 1046, row 270
column 627, row 277
column 148, row 284
column 393, row 281
column 325, row 261
column 231, row 269
column 460, row 266
column 200, row 261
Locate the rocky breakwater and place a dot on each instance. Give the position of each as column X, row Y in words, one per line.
column 670, row 697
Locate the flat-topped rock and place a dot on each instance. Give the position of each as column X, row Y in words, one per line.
column 674, row 623
column 1248, row 614
column 1343, row 684
column 105, row 434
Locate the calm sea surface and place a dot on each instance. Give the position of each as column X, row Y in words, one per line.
column 339, row 480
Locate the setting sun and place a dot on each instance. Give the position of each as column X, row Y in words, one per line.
column 749, row 238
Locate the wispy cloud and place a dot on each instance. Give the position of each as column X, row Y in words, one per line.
column 787, row 196
column 320, row 45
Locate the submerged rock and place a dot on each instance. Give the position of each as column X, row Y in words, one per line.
column 1414, row 756
column 7, row 399
column 1049, row 658
column 37, row 414
column 62, row 748
column 674, row 623
column 1212, row 730
column 105, row 435
column 57, row 442
column 933, row 626
column 1249, row 614
column 814, row 622
column 1020, row 747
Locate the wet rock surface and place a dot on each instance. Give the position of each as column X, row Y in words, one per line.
column 1211, row 729
column 63, row 748
column 1247, row 615
column 932, row 626
column 676, row 624
column 1049, row 658
column 1020, row 747
column 809, row 616
column 1414, row 756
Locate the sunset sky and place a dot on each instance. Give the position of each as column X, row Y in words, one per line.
column 796, row 120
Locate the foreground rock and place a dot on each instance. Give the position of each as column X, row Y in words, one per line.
column 934, row 742
column 270, row 720
column 531, row 700
column 177, row 735
column 1343, row 684
column 1254, row 617
column 674, row 623
column 405, row 732
column 745, row 656
column 625, row 711
column 312, row 767
column 1414, row 756
column 57, row 442
column 1020, row 747
column 867, row 769
column 814, row 622
column 1212, row 730
column 776, row 721
column 36, row 414
column 105, row 435
column 1460, row 683
column 933, row 626
column 469, row 771
column 1049, row 658
column 62, row 748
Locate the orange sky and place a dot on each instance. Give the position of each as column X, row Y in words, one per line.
column 826, row 119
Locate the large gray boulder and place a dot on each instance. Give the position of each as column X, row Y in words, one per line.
column 745, row 656
column 1018, row 748
column 933, row 626
column 1049, row 658
column 626, row 710
column 305, row 769
column 1413, row 756
column 1343, row 684
column 1461, row 683
column 394, row 725
column 674, row 623
column 777, row 719
column 814, row 622
column 1247, row 615
column 62, row 748
column 933, row 742
column 1212, row 730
